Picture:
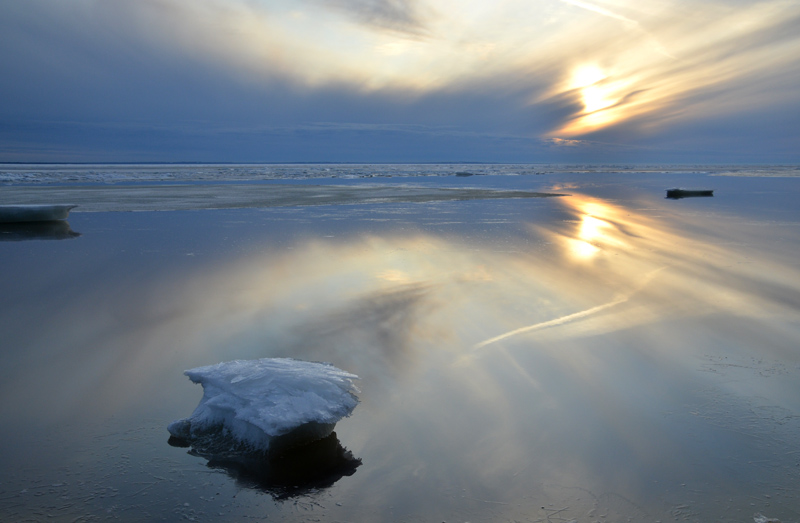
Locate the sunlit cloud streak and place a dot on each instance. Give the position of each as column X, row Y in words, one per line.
column 653, row 66
column 600, row 10
column 402, row 16
column 368, row 45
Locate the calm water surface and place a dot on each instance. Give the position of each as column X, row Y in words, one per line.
column 606, row 356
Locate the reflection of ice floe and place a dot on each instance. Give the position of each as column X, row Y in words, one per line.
column 51, row 230
column 267, row 405
column 294, row 472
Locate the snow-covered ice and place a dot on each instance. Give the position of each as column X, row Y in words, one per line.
column 268, row 404
column 39, row 174
column 758, row 518
column 34, row 212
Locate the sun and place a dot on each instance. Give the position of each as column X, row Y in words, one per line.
column 585, row 76
column 599, row 92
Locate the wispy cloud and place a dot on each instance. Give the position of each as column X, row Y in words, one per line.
column 657, row 59
column 600, row 10
column 401, row 16
column 631, row 23
column 728, row 57
column 565, row 69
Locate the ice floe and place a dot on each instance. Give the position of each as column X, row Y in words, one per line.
column 34, row 212
column 270, row 404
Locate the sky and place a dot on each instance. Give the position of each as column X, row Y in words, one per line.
column 638, row 81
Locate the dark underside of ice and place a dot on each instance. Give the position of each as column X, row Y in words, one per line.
column 294, row 472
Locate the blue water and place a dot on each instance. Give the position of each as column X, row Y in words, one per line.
column 658, row 379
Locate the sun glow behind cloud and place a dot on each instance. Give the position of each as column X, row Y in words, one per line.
column 719, row 54
column 647, row 59
column 536, row 72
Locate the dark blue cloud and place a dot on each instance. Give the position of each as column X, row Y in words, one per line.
column 79, row 83
column 76, row 95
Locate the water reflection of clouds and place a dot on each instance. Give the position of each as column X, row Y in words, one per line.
column 382, row 304
column 579, row 356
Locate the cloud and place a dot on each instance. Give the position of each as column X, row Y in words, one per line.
column 401, row 16
column 727, row 60
column 600, row 10
column 443, row 68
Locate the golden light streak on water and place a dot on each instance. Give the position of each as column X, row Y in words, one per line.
column 484, row 363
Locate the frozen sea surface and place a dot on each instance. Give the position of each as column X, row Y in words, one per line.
column 232, row 173
column 197, row 196
column 609, row 355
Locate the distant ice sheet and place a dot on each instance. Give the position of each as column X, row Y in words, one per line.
column 117, row 198
column 268, row 404
column 199, row 173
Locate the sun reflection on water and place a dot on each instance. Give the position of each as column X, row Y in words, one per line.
column 389, row 299
column 482, row 367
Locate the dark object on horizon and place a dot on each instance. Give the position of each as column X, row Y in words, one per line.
column 34, row 212
column 294, row 472
column 678, row 193
column 21, row 231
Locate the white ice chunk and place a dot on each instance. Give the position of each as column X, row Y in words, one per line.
column 268, row 403
column 758, row 518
